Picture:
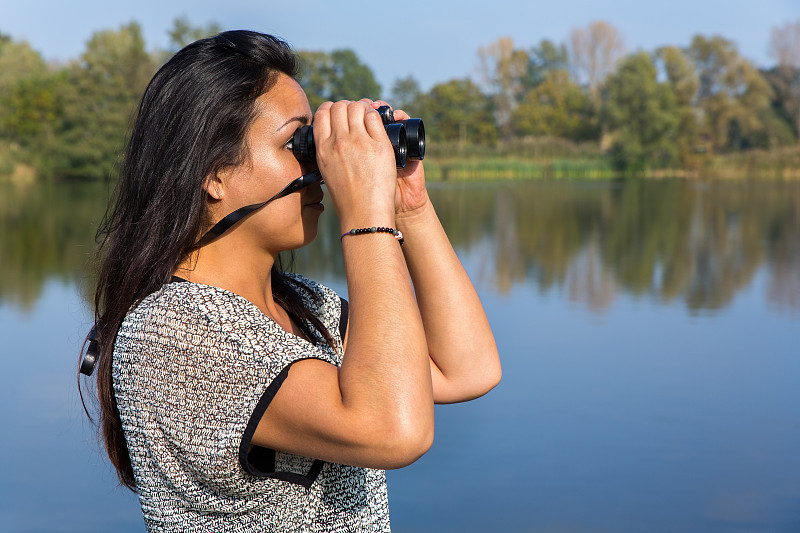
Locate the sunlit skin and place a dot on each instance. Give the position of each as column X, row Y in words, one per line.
column 402, row 351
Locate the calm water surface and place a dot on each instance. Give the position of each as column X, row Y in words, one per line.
column 648, row 330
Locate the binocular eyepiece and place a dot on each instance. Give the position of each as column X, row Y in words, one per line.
column 407, row 138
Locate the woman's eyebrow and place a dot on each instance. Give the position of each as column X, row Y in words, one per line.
column 302, row 119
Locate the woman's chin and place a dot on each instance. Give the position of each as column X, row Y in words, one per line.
column 310, row 233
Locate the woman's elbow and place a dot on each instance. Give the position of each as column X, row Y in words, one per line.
column 487, row 372
column 493, row 376
column 471, row 385
column 406, row 441
column 484, row 383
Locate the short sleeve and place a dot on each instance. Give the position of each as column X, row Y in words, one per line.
column 192, row 364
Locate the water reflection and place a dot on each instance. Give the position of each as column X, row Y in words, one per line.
column 46, row 233
column 667, row 240
column 653, row 412
column 699, row 243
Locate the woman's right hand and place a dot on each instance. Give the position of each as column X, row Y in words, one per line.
column 356, row 159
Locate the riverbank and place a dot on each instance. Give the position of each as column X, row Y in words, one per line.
column 779, row 163
column 12, row 170
column 588, row 163
column 551, row 159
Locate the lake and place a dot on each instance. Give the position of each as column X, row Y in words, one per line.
column 649, row 333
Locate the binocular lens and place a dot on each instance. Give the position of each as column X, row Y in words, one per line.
column 415, row 133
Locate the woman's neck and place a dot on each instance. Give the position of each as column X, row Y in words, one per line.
column 247, row 274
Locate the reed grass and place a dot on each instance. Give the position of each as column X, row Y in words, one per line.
column 548, row 158
column 452, row 169
column 778, row 163
column 529, row 158
column 533, row 158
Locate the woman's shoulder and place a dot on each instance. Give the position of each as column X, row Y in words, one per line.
column 181, row 310
column 316, row 296
column 204, row 324
column 186, row 298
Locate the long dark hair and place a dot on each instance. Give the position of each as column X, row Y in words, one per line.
column 192, row 122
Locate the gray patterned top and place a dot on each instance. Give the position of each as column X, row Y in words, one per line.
column 194, row 368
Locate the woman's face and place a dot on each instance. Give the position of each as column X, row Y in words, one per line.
column 289, row 222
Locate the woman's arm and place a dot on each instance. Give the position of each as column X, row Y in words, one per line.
column 464, row 358
column 377, row 409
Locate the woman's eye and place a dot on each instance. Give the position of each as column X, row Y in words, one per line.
column 290, row 143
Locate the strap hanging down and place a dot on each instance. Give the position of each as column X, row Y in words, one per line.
column 226, row 223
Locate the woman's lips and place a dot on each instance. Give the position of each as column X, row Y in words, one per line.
column 316, row 203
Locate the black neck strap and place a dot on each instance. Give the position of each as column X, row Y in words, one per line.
column 89, row 359
column 226, row 223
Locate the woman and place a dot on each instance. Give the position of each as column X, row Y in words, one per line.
column 236, row 397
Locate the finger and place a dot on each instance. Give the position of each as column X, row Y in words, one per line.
column 355, row 115
column 399, row 114
column 374, row 124
column 322, row 121
column 339, row 121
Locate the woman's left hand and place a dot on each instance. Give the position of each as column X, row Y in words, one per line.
column 411, row 195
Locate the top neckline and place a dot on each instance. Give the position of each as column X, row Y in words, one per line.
column 253, row 307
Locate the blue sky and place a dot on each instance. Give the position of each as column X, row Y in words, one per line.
column 432, row 40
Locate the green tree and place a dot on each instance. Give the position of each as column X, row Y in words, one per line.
column 732, row 94
column 30, row 109
column 18, row 63
column 544, row 59
column 785, row 104
column 557, row 107
column 30, row 105
column 183, row 32
column 338, row 75
column 99, row 102
column 785, row 77
column 672, row 62
column 406, row 95
column 315, row 73
column 457, row 111
column 641, row 115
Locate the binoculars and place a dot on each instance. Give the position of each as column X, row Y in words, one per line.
column 407, row 138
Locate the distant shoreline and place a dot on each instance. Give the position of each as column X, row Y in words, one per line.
column 775, row 164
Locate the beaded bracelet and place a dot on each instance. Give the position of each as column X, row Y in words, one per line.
column 360, row 231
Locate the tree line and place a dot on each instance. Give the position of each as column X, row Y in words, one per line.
column 670, row 108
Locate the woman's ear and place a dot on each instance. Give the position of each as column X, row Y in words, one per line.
column 215, row 185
